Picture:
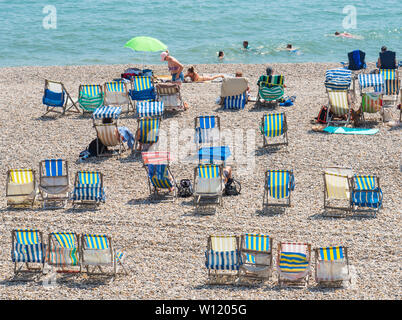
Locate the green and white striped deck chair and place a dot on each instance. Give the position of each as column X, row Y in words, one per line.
column 29, row 249
column 20, row 187
column 278, row 185
column 270, row 88
column 339, row 104
column 64, row 251
column 208, row 185
column 90, row 97
column 116, row 93
column 256, row 253
column 331, row 266
column 337, row 188
column 97, row 252
column 274, row 127
column 148, row 132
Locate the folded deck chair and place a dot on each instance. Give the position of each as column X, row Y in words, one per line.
column 278, row 185
column 270, row 88
column 256, row 254
column 222, row 259
column 169, row 94
column 90, row 97
column 20, row 187
column 208, row 185
column 293, row 264
column 56, row 98
column 97, row 252
column 388, row 60
column 54, row 181
column 64, row 251
column 88, row 188
column 356, row 60
column 160, row 178
column 337, row 187
column 29, row 249
column 207, row 129
column 148, row 133
column 339, row 104
column 116, row 93
column 142, row 89
column 331, row 266
column 150, row 109
column 366, row 192
column 234, row 93
column 274, row 127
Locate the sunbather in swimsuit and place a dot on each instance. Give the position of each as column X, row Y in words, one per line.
column 195, row 77
column 175, row 67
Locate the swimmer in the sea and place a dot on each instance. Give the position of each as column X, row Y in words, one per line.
column 221, row 55
column 345, row 35
column 245, row 45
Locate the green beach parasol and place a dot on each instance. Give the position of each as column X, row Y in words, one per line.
column 147, row 44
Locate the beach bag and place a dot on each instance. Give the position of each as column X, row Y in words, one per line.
column 185, row 189
column 322, row 115
column 232, row 187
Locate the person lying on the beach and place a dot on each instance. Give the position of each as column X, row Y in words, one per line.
column 195, row 77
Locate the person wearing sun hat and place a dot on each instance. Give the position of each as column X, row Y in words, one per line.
column 175, row 67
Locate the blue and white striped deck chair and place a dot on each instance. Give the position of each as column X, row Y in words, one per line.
column 274, row 126
column 116, row 93
column 27, row 247
column 214, row 154
column 338, row 79
column 278, row 185
column 90, row 97
column 54, row 181
column 366, row 192
column 21, row 187
column 150, row 109
column 222, row 258
column 371, row 80
column 331, row 266
column 256, row 253
column 237, row 102
column 293, row 263
column 208, row 184
column 161, row 178
column 55, row 98
column 234, row 93
column 147, row 133
column 142, row 89
column 88, row 188
column 64, row 250
column 207, row 129
column 97, row 251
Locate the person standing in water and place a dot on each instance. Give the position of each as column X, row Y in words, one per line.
column 175, row 67
column 221, row 55
column 245, row 45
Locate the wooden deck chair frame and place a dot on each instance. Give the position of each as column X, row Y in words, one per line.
column 197, row 197
column 327, row 205
column 97, row 125
column 84, row 111
column 24, row 203
column 197, row 125
column 87, row 202
column 331, row 283
column 53, row 198
column 156, row 195
column 349, row 100
column 65, row 109
column 243, row 272
column 159, row 96
column 136, row 143
column 220, row 277
column 125, row 94
column 302, row 282
column 285, row 134
column 60, row 268
column 265, row 199
column 357, row 209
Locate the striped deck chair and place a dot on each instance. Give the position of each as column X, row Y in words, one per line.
column 207, row 129
column 150, row 109
column 339, row 103
column 337, row 187
column 222, row 259
column 28, row 248
column 274, row 126
column 169, row 94
column 161, row 178
column 293, row 264
column 371, row 102
column 90, row 97
column 256, row 254
column 88, row 188
column 64, row 251
column 54, row 181
column 208, row 185
column 234, row 93
column 278, row 185
column 97, row 252
column 116, row 93
column 147, row 133
column 392, row 84
column 214, row 154
column 20, row 187
column 142, row 89
column 338, row 79
column 366, row 192
column 270, row 88
column 331, row 266
column 56, row 97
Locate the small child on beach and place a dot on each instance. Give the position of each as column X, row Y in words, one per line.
column 195, row 77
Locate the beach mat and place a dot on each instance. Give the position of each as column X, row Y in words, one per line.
column 345, row 130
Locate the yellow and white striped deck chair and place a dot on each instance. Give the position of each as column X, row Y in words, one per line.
column 340, row 105
column 208, row 184
column 97, row 252
column 392, row 85
column 64, row 250
column 21, row 187
column 116, row 93
column 337, row 188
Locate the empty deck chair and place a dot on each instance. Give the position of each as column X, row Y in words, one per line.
column 339, row 103
column 208, row 185
column 331, row 266
column 214, row 154
column 366, row 192
column 90, row 97
column 21, row 187
column 207, row 129
column 234, row 93
column 150, row 109
column 169, row 94
column 54, row 181
column 270, row 88
column 88, row 188
column 256, row 256
column 147, row 133
column 142, row 89
column 372, row 102
column 222, row 259
column 97, row 252
column 356, row 60
column 392, row 85
column 56, row 98
column 274, row 127
column 337, row 188
column 64, row 252
column 29, row 249
column 278, row 185
column 338, row 79
column 293, row 264
column 116, row 93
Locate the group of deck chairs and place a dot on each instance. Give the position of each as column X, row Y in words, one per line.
column 65, row 252
column 249, row 258
column 54, row 184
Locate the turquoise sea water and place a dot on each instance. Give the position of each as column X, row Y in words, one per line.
column 95, row 31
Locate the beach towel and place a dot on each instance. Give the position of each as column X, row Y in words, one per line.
column 344, row 130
